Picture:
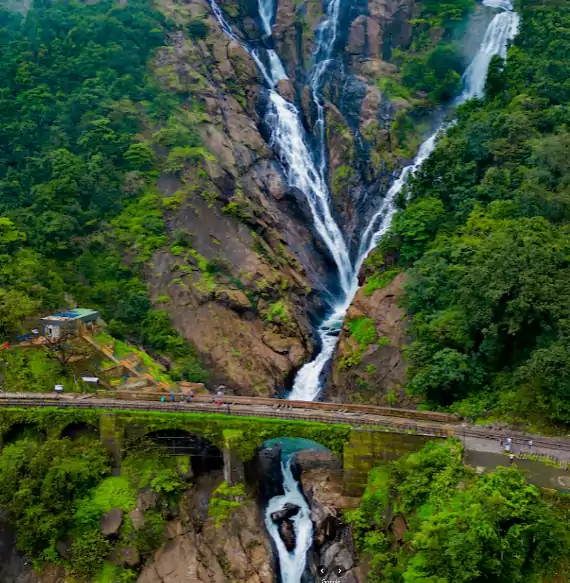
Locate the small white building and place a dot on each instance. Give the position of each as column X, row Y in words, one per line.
column 67, row 321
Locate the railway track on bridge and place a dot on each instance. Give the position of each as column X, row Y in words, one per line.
column 241, row 409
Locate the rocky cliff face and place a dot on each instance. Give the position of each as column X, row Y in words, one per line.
column 321, row 480
column 374, row 373
column 244, row 271
column 199, row 551
column 239, row 275
column 15, row 568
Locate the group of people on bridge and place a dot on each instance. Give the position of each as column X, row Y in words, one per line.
column 189, row 396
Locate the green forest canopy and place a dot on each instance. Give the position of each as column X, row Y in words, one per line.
column 56, row 491
column 459, row 527
column 485, row 235
column 77, row 191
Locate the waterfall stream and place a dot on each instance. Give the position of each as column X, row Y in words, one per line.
column 291, row 144
column 291, row 565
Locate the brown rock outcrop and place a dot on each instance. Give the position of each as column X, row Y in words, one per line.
column 293, row 31
column 111, row 522
column 286, row 90
column 370, row 107
column 380, row 373
column 364, row 37
column 199, row 552
column 332, row 540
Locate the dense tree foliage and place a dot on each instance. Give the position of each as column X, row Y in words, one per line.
column 76, row 177
column 434, row 63
column 55, row 492
column 486, row 231
column 40, row 485
column 459, row 527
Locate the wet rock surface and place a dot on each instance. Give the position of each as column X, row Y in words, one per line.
column 285, row 525
column 197, row 551
column 285, row 513
column 333, row 545
column 287, row 534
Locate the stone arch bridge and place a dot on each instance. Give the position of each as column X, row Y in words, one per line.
column 360, row 436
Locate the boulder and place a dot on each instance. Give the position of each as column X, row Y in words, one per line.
column 287, row 534
column 63, row 547
column 125, row 556
column 325, row 520
column 111, row 522
column 338, row 555
column 286, row 90
column 146, row 498
column 234, row 299
column 287, row 511
column 137, row 518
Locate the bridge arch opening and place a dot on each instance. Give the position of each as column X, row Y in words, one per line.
column 24, row 431
column 79, row 429
column 204, row 455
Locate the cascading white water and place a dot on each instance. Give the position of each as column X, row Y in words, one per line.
column 289, row 141
column 292, row 565
column 308, row 382
column 501, row 29
column 266, row 9
column 326, row 36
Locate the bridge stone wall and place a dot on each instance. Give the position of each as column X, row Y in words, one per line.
column 362, row 450
column 359, row 449
column 368, row 448
column 111, row 434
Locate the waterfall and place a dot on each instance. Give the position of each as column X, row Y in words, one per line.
column 308, row 382
column 292, row 565
column 291, row 145
column 326, row 36
column 266, row 11
column 500, row 31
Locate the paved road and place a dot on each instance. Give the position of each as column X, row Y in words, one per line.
column 366, row 417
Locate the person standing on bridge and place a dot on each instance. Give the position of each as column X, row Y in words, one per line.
column 172, row 397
